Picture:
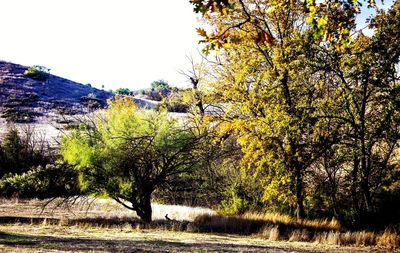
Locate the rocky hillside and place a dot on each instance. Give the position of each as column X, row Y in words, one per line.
column 25, row 100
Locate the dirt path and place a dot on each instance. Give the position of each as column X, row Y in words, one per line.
column 44, row 238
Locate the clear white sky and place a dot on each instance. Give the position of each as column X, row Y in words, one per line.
column 115, row 43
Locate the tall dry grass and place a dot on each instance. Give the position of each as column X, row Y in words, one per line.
column 271, row 226
column 281, row 219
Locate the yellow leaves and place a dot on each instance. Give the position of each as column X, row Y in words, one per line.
column 270, row 10
column 322, row 21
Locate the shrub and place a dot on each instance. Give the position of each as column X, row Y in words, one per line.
column 39, row 73
column 160, row 85
column 122, row 91
column 53, row 180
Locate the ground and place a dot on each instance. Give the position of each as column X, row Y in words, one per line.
column 53, row 238
column 25, row 228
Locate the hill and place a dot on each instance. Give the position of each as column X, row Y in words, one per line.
column 25, row 100
column 48, row 105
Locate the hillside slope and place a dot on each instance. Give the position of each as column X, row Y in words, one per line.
column 24, row 100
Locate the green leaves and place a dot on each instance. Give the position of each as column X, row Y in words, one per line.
column 127, row 153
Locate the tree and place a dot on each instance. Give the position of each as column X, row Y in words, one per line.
column 329, row 20
column 128, row 153
column 160, row 85
column 271, row 98
column 366, row 106
column 296, row 99
column 122, row 91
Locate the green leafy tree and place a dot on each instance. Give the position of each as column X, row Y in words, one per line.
column 160, row 85
column 122, row 91
column 128, row 153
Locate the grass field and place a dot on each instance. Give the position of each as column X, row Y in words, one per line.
column 53, row 238
column 25, row 227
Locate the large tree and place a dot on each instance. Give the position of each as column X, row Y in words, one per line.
column 366, row 106
column 270, row 94
column 287, row 112
column 128, row 153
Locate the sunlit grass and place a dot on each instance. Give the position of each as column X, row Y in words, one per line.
column 276, row 218
column 107, row 214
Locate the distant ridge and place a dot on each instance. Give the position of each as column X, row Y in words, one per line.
column 33, row 98
column 25, row 100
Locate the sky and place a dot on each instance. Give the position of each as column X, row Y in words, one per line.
column 115, row 43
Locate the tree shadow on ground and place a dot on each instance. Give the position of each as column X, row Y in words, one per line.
column 41, row 243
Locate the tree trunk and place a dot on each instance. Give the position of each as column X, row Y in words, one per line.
column 356, row 163
column 365, row 171
column 144, row 211
column 143, row 205
column 299, row 193
column 365, row 167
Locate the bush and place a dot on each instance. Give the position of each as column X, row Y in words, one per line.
column 160, row 85
column 39, row 73
column 54, row 180
column 122, row 91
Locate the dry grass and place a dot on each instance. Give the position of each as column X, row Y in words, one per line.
column 106, row 214
column 275, row 227
column 388, row 239
column 250, row 223
column 276, row 218
column 46, row 238
column 92, row 208
column 299, row 235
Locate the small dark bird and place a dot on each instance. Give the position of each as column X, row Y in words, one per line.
column 166, row 217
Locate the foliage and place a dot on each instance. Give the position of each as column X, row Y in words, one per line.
column 330, row 21
column 127, row 153
column 21, row 151
column 205, row 186
column 37, row 72
column 160, row 85
column 175, row 102
column 271, row 104
column 317, row 121
column 122, row 91
column 54, row 180
column 365, row 106
column 159, row 90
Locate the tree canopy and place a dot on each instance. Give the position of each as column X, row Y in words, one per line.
column 308, row 111
column 127, row 153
